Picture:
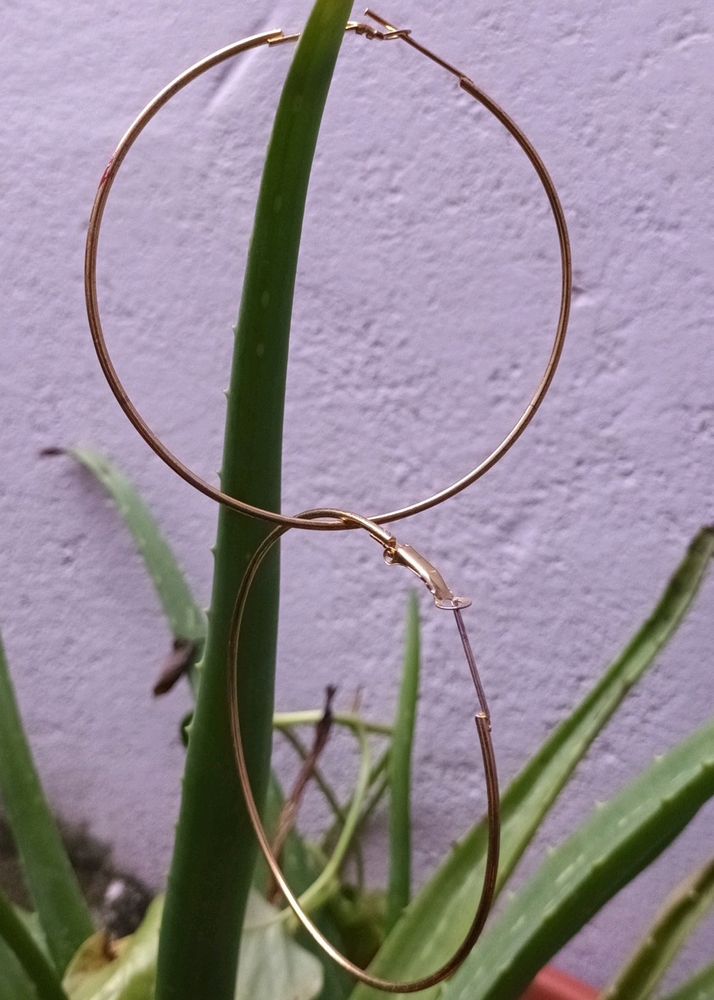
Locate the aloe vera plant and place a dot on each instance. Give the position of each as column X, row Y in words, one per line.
column 618, row 841
column 215, row 908
column 658, row 806
column 27, row 955
column 420, row 936
column 51, row 881
column 565, row 747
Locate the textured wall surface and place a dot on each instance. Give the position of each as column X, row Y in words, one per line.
column 426, row 297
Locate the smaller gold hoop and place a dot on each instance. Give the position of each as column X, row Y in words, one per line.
column 395, row 553
column 271, row 39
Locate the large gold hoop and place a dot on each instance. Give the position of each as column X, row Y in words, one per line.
column 272, row 38
column 395, row 553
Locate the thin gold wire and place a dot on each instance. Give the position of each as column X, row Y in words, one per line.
column 395, row 554
column 272, row 38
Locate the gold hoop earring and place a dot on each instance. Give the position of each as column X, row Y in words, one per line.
column 402, row 555
column 330, row 519
column 273, row 38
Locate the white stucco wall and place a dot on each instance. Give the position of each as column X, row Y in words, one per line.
column 426, row 296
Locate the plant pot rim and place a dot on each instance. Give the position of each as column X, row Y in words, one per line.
column 551, row 984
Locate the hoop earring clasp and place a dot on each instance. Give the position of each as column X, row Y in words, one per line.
column 390, row 32
column 397, row 554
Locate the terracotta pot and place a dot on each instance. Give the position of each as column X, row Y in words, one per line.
column 553, row 985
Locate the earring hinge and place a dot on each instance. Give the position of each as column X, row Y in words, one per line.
column 368, row 31
column 397, row 554
column 387, row 33
column 405, row 33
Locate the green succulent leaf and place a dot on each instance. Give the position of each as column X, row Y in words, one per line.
column 400, row 773
column 579, row 877
column 23, row 959
column 34, row 928
column 206, row 899
column 14, row 984
column 12, row 976
column 435, row 922
column 689, row 904
column 701, row 987
column 186, row 619
column 50, row 880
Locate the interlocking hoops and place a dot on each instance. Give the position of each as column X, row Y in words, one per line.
column 331, row 519
column 272, row 38
column 395, row 554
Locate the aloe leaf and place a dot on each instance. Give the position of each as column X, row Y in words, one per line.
column 37, row 967
column 214, row 853
column 14, row 984
column 400, row 774
column 34, row 928
column 701, row 987
column 435, row 922
column 185, row 617
column 50, row 880
column 579, row 877
column 687, row 906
